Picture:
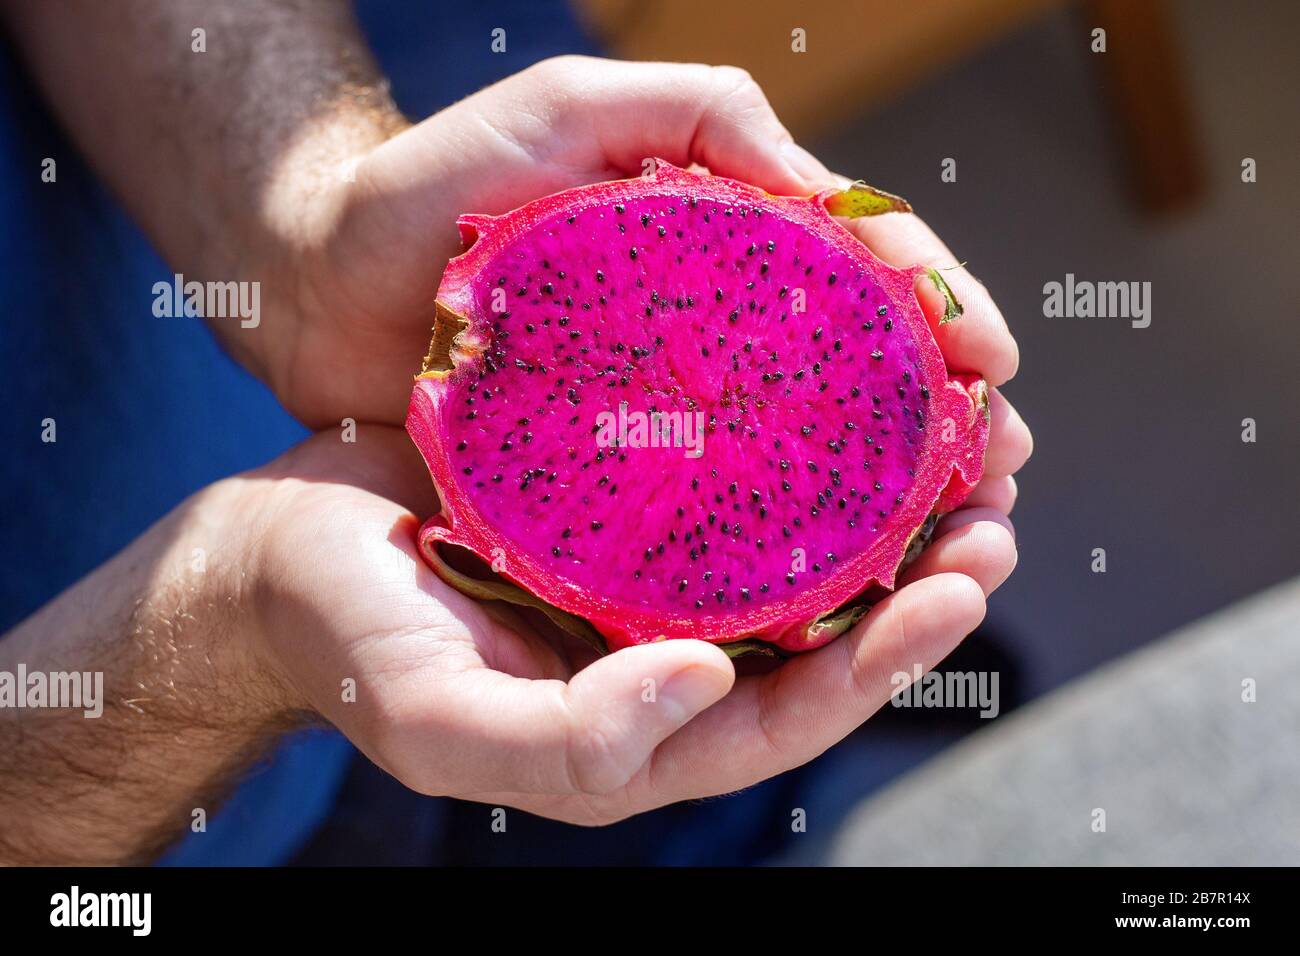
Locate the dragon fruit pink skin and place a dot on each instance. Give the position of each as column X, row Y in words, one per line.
column 832, row 432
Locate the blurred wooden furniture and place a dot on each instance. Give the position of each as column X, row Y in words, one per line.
column 1143, row 79
column 860, row 53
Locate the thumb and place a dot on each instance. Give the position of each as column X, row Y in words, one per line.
column 626, row 704
column 589, row 736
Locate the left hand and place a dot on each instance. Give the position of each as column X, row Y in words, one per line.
column 459, row 698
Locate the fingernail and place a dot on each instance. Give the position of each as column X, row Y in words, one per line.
column 805, row 165
column 691, row 690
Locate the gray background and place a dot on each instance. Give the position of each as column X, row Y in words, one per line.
column 1137, row 431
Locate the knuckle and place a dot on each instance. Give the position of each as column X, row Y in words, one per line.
column 552, row 66
column 736, row 82
column 554, row 75
column 734, row 76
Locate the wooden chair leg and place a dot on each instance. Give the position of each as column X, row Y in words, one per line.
column 1143, row 79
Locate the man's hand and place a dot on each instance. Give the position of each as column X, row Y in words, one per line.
column 269, row 597
column 463, row 699
column 276, row 156
column 368, row 288
column 365, row 292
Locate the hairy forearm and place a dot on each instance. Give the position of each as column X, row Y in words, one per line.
column 186, row 702
column 230, row 157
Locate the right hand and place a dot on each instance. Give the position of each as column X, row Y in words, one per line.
column 362, row 281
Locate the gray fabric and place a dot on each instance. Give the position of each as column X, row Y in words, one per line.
column 1187, row 773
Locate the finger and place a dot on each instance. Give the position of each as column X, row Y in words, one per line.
column 626, row 704
column 996, row 493
column 978, row 340
column 686, row 113
column 569, row 121
column 720, row 118
column 772, row 723
column 588, row 737
column 1010, row 441
column 964, row 516
column 977, row 542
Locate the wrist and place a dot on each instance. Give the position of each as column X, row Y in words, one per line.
column 222, row 546
column 182, row 700
column 306, row 185
column 291, row 242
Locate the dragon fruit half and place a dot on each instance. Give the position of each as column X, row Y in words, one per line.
column 679, row 407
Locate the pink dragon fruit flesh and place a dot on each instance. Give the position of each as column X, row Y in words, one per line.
column 679, row 407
